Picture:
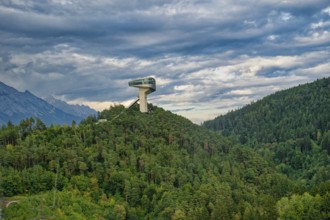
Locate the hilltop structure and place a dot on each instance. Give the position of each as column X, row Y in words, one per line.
column 146, row 86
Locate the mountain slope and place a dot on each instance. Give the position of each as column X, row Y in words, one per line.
column 79, row 110
column 294, row 113
column 290, row 128
column 16, row 106
column 137, row 166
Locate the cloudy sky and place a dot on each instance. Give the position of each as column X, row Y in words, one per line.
column 208, row 56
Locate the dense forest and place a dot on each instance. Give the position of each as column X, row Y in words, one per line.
column 146, row 166
column 290, row 128
column 299, row 112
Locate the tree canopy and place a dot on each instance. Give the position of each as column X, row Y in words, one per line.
column 142, row 166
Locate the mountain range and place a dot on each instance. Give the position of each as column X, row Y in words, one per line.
column 16, row 106
column 81, row 111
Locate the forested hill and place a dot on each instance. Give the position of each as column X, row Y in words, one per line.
column 143, row 166
column 299, row 112
column 290, row 128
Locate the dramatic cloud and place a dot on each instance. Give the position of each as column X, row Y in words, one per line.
column 208, row 57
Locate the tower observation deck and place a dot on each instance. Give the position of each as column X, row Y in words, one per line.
column 146, row 86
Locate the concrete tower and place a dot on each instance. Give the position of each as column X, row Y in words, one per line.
column 146, row 86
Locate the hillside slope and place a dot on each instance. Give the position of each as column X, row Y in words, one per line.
column 290, row 128
column 16, row 106
column 141, row 166
column 293, row 113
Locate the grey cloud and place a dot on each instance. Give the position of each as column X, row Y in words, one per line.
column 5, row 63
column 200, row 52
column 182, row 110
column 185, row 32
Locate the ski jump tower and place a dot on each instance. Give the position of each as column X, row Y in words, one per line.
column 146, row 86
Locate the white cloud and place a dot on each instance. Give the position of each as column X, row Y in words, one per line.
column 320, row 24
column 272, row 37
column 326, row 11
column 314, row 38
column 285, row 16
column 241, row 92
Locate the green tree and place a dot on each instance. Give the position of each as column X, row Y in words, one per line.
column 303, row 206
column 11, row 183
column 326, row 142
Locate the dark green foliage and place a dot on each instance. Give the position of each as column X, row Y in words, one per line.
column 326, row 142
column 298, row 112
column 140, row 166
column 290, row 127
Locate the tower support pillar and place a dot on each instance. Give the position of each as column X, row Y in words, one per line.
column 143, row 92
